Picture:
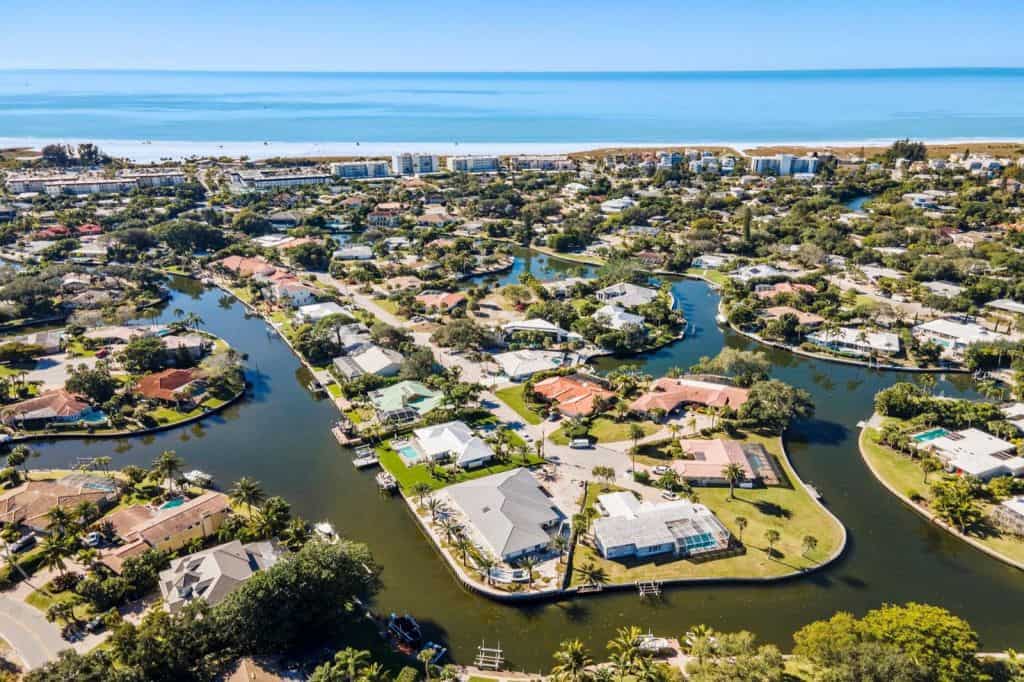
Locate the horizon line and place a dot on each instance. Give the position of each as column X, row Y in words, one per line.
column 553, row 72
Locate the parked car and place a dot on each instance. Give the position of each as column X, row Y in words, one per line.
column 580, row 443
column 669, row 495
column 23, row 543
column 93, row 539
column 95, row 624
column 661, row 469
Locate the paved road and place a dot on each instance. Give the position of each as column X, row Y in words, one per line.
column 34, row 639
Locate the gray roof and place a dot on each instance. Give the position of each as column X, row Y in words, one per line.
column 658, row 524
column 214, row 573
column 508, row 509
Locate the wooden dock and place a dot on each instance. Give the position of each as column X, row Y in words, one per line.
column 343, row 438
column 365, row 457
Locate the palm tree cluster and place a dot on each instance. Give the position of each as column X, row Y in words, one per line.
column 626, row 660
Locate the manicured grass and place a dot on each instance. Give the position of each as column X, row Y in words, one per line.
column 713, row 276
column 409, row 476
column 905, row 475
column 44, row 600
column 789, row 510
column 388, row 305
column 167, row 415
column 334, row 390
column 606, row 430
column 514, row 397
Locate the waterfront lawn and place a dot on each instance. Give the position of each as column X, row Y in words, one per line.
column 714, row 276
column 514, row 397
column 168, row 415
column 905, row 475
column 788, row 509
column 409, row 477
column 605, row 430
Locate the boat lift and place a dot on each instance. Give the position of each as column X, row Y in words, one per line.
column 489, row 658
column 648, row 588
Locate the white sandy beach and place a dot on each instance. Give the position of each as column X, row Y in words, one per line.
column 140, row 151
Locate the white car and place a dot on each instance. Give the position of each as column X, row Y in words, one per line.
column 669, row 495
column 661, row 470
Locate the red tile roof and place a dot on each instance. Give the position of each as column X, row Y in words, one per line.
column 50, row 405
column 783, row 288
column 442, row 301
column 245, row 266
column 668, row 394
column 573, row 395
column 164, row 385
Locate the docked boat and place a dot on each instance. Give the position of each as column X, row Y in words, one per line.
column 405, row 629
column 439, row 652
column 325, row 531
column 649, row 644
column 386, row 481
column 198, row 478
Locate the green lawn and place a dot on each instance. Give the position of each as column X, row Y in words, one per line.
column 43, row 600
column 409, row 476
column 606, row 430
column 167, row 415
column 789, row 510
column 905, row 475
column 713, row 276
column 388, row 305
column 514, row 397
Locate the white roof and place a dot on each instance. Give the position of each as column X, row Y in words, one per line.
column 882, row 341
column 520, row 363
column 535, row 324
column 318, row 311
column 630, row 522
column 374, row 359
column 455, row 439
column 965, row 332
column 971, row 442
column 1015, row 504
column 1007, row 305
column 616, row 318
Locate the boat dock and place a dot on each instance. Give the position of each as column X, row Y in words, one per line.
column 365, row 457
column 489, row 658
column 386, row 482
column 343, row 438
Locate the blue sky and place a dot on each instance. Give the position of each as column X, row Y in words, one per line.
column 529, row 35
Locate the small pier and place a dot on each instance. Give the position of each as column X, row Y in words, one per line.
column 648, row 588
column 342, row 436
column 588, row 589
column 365, row 457
column 489, row 658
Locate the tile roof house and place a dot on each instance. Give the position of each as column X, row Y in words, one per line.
column 705, row 460
column 245, row 266
column 142, row 527
column 669, row 394
column 441, row 300
column 508, row 513
column 803, row 318
column 767, row 291
column 57, row 405
column 170, row 385
column 214, row 573
column 574, row 396
column 29, row 503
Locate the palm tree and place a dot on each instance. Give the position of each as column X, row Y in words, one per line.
column 560, row 543
column 593, row 575
column 9, row 535
column 485, row 564
column 734, row 474
column 167, row 466
column 450, row 527
column 699, row 642
column 464, row 547
column 349, row 662
column 53, row 552
column 296, row 534
column 425, row 656
column 635, row 433
column 85, row 513
column 59, row 521
column 625, row 646
column 810, row 543
column 103, row 463
column 930, row 465
column 741, row 525
column 421, row 490
column 246, row 491
column 88, row 557
column 571, row 662
column 61, row 611
column 772, row 536
column 435, row 505
column 529, row 562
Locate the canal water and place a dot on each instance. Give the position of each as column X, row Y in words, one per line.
column 280, row 437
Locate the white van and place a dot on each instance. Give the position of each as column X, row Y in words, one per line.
column 579, row 443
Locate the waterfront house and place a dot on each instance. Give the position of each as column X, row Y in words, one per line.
column 612, row 206
column 405, row 401
column 705, row 459
column 354, row 252
column 170, row 386
column 626, row 295
column 284, row 220
column 519, row 365
column 196, row 345
column 168, row 527
column 507, row 513
column 290, row 292
column 369, row 359
column 314, row 312
column 212, row 574
column 973, row 452
column 711, row 261
column 51, row 342
column 451, row 441
column 614, row 317
column 57, row 405
column 804, row 319
column 29, row 504
column 574, row 395
column 1009, row 515
column 441, row 301
column 856, row 342
column 750, row 273
column 562, row 288
column 244, row 266
column 770, row 291
column 635, row 529
column 536, row 326
column 668, row 395
column 954, row 335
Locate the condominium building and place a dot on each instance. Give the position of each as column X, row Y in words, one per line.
column 784, row 164
column 266, row 180
column 56, row 184
column 415, row 164
column 474, row 164
column 543, row 163
column 360, row 170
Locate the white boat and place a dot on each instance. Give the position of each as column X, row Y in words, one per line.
column 326, row 531
column 653, row 645
column 198, row 478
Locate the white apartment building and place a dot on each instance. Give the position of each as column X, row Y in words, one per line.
column 784, row 164
column 414, row 164
column 474, row 164
column 543, row 163
column 265, row 180
column 361, row 170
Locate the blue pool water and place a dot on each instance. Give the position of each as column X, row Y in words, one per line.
column 931, row 435
column 171, row 504
column 408, row 453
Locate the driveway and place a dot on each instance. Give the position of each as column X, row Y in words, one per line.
column 25, row 628
column 53, row 370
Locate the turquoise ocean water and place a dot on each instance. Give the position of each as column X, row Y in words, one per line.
column 514, row 107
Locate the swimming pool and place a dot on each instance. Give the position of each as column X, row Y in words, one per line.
column 171, row 504
column 409, row 453
column 930, row 435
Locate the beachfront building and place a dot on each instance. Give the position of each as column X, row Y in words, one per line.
column 474, row 164
column 212, row 574
column 361, row 170
column 56, row 184
column 626, row 294
column 543, row 163
column 519, row 365
column 784, row 164
column 507, row 514
column 406, row 401
column 668, row 395
column 971, row 451
column 856, row 342
column 955, row 335
column 263, row 180
column 408, row 163
column 635, row 529
column 452, row 441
